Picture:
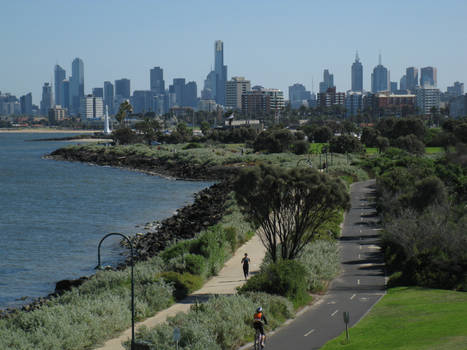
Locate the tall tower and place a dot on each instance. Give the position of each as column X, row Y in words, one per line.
column 109, row 96
column 428, row 77
column 59, row 77
column 380, row 80
column 76, row 84
column 411, row 75
column 47, row 99
column 328, row 81
column 357, row 74
column 221, row 71
column 157, row 83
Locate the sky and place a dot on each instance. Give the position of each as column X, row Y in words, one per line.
column 271, row 43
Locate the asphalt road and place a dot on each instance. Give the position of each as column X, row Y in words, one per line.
column 356, row 290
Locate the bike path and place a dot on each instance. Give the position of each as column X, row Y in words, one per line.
column 360, row 285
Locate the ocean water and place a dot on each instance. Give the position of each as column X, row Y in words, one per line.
column 53, row 214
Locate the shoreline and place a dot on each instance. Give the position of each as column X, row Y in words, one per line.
column 46, row 131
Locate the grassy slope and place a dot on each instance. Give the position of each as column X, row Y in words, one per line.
column 409, row 319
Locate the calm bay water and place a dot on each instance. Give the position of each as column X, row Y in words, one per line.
column 53, row 214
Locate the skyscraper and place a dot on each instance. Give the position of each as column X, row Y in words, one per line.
column 65, row 94
column 76, row 84
column 357, row 74
column 234, row 89
column 47, row 99
column 403, row 83
column 109, row 96
column 380, row 78
column 428, row 77
column 190, row 94
column 98, row 92
column 26, row 104
column 221, row 72
column 157, row 84
column 178, row 88
column 327, row 83
column 298, row 95
column 59, row 77
column 411, row 75
column 122, row 88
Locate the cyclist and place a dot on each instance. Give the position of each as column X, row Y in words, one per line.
column 258, row 320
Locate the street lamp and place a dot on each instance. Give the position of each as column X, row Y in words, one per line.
column 133, row 347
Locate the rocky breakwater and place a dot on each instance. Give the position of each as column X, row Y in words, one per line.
column 156, row 165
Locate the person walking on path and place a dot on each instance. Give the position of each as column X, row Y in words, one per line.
column 246, row 265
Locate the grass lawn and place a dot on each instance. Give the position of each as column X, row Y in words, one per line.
column 411, row 319
column 371, row 150
column 434, row 150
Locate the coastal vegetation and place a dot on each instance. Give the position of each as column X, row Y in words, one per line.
column 410, row 319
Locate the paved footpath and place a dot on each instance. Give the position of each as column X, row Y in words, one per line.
column 226, row 282
column 360, row 285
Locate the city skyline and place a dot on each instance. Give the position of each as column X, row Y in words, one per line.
column 294, row 54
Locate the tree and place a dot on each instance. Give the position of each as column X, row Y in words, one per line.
column 411, row 144
column 369, row 136
column 382, row 143
column 150, row 128
column 345, row 144
column 322, row 134
column 289, row 206
column 274, row 141
column 205, row 127
column 124, row 109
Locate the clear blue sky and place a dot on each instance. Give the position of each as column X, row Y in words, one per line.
column 272, row 43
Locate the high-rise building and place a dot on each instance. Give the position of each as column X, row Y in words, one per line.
column 411, row 75
column 328, row 81
column 59, row 77
column 256, row 102
column 109, row 96
column 122, row 88
column 209, row 90
column 234, row 89
column 298, row 96
column 353, row 103
column 380, row 78
column 76, row 84
column 142, row 101
column 458, row 107
column 330, row 98
column 276, row 98
column 190, row 95
column 357, row 74
column 393, row 87
column 178, row 88
column 427, row 98
column 47, row 99
column 98, row 92
column 428, row 77
column 91, row 107
column 403, row 83
column 65, row 94
column 26, row 104
column 454, row 91
column 221, row 72
column 157, row 84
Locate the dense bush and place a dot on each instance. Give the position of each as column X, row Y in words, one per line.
column 345, row 144
column 285, row 278
column 224, row 322
column 184, row 283
column 274, row 141
column 301, row 147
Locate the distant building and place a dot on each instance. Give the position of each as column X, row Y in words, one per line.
column 142, row 101
column 98, row 92
column 426, row 99
column 276, row 96
column 256, row 102
column 328, row 81
column 357, row 74
column 26, row 104
column 234, row 90
column 65, row 94
column 109, row 96
column 428, row 77
column 393, row 87
column 221, row 72
column 76, row 84
column 456, row 90
column 190, row 94
column 403, row 83
column 57, row 113
column 411, row 82
column 157, row 83
column 353, row 103
column 178, row 88
column 458, row 107
column 330, row 98
column 380, row 78
column 389, row 100
column 207, row 105
column 209, row 90
column 59, row 77
column 91, row 107
column 47, row 99
column 298, row 96
column 122, row 88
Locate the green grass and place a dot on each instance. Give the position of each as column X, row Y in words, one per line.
column 434, row 150
column 411, row 319
column 371, row 150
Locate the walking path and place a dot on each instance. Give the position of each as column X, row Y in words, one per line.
column 226, row 282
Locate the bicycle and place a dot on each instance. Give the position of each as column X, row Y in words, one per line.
column 257, row 344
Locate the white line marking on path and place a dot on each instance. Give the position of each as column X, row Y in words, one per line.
column 308, row 333
column 331, row 302
column 360, row 247
column 358, row 282
column 360, row 231
column 359, row 256
column 353, row 296
column 335, row 312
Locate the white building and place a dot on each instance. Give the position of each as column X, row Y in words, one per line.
column 426, row 98
column 234, row 89
column 91, row 107
column 276, row 99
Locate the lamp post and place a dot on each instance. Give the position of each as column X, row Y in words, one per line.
column 132, row 281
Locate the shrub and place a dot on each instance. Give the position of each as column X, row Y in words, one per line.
column 193, row 145
column 285, row 278
column 301, row 147
column 184, row 283
column 196, row 264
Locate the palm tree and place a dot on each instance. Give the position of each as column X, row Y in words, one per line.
column 125, row 108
